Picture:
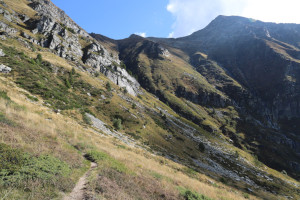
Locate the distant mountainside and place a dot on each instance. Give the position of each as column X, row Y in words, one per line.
column 214, row 115
column 264, row 59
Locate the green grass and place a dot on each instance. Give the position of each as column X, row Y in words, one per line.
column 106, row 160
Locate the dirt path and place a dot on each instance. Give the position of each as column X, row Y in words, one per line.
column 79, row 190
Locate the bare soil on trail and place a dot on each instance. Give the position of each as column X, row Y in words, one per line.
column 79, row 192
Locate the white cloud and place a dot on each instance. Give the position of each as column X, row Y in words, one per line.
column 192, row 15
column 141, row 34
column 171, row 35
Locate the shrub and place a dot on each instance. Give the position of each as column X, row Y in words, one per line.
column 73, row 72
column 86, row 119
column 117, row 123
column 39, row 59
column 71, row 30
column 133, row 106
column 32, row 98
column 3, row 95
column 11, row 159
column 68, row 84
column 246, row 196
column 125, row 91
column 201, row 147
column 108, row 86
column 18, row 167
column 97, row 74
column 190, row 195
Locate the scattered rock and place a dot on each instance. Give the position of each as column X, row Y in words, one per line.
column 4, row 69
column 2, row 53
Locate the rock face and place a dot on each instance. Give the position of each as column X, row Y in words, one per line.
column 98, row 57
column 64, row 37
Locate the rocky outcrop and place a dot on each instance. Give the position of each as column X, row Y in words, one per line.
column 48, row 9
column 62, row 35
column 100, row 59
column 7, row 30
column 203, row 97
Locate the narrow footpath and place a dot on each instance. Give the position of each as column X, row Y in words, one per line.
column 79, row 190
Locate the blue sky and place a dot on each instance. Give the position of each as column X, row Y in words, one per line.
column 118, row 19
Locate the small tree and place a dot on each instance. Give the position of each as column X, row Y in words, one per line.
column 108, row 86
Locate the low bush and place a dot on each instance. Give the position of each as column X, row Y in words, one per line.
column 190, row 195
column 117, row 122
column 18, row 167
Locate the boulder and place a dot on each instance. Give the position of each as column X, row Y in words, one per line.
column 4, row 69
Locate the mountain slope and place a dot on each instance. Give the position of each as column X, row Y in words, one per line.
column 67, row 99
column 263, row 58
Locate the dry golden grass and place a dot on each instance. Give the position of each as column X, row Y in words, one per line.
column 21, row 6
column 38, row 134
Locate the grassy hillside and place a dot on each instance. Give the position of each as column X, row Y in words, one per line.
column 43, row 158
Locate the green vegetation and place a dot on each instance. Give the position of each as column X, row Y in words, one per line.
column 106, row 160
column 108, row 86
column 37, row 77
column 190, row 195
column 3, row 95
column 86, row 119
column 18, row 167
column 117, row 123
column 32, row 98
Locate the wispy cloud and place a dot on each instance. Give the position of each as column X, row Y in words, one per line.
column 142, row 34
column 192, row 15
